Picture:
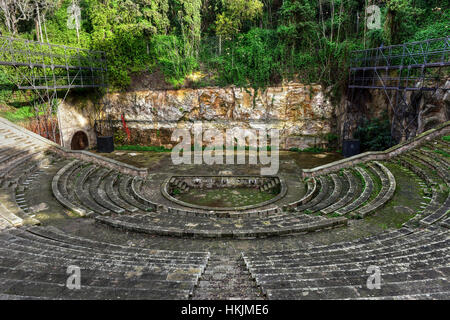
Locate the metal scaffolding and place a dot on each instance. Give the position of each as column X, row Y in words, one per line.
column 400, row 67
column 49, row 70
column 48, row 66
column 408, row 67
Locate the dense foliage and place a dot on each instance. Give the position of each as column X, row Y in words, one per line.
column 375, row 134
column 242, row 42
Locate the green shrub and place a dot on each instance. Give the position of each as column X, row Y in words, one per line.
column 174, row 57
column 374, row 135
column 252, row 60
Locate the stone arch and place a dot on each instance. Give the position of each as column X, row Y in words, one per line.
column 79, row 141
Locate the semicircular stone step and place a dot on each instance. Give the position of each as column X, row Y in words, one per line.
column 323, row 192
column 351, row 191
column 332, row 196
column 98, row 192
column 82, row 193
column 363, row 197
column 388, row 186
column 114, row 195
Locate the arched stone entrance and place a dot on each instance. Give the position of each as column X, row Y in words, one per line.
column 79, row 141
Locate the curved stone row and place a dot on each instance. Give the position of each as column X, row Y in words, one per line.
column 136, row 184
column 349, row 191
column 164, row 202
column 187, row 226
column 412, row 264
column 251, row 213
column 311, row 189
column 60, row 191
column 117, row 200
column 352, row 189
column 87, row 189
column 365, row 184
column 21, row 160
column 446, row 222
column 429, row 166
column 34, row 264
column 388, row 186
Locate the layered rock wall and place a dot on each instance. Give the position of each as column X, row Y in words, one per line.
column 422, row 111
column 303, row 113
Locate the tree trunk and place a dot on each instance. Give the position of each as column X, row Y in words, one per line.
column 37, row 29
column 45, row 29
column 39, row 23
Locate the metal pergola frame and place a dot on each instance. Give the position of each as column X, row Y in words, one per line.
column 50, row 66
column 50, row 69
column 408, row 67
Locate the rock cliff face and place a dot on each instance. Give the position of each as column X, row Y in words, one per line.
column 421, row 112
column 302, row 113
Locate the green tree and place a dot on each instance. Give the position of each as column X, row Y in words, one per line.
column 235, row 13
column 399, row 20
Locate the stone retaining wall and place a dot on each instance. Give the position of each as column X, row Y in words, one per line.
column 379, row 155
column 303, row 114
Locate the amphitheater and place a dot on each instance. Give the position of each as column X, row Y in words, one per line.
column 314, row 240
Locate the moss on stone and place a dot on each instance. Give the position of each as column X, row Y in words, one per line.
column 404, row 204
column 225, row 197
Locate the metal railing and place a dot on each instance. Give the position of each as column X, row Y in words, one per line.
column 407, row 66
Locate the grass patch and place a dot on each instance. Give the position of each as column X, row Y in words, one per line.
column 446, row 138
column 335, row 215
column 442, row 152
column 223, row 197
column 407, row 194
column 18, row 114
column 142, row 148
column 310, row 149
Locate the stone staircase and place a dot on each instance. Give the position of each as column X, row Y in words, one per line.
column 21, row 160
column 34, row 264
column 413, row 264
column 413, row 260
column 226, row 278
